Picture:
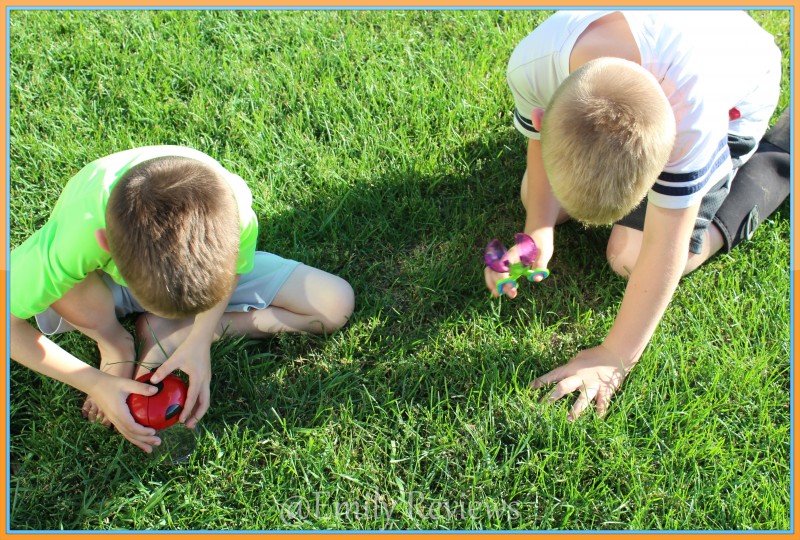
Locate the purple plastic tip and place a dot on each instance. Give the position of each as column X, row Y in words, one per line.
column 496, row 256
column 526, row 248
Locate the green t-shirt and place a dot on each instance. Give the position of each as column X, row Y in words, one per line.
column 65, row 250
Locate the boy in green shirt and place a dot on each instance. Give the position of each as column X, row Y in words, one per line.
column 167, row 232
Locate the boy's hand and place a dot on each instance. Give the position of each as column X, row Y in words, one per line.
column 544, row 243
column 596, row 373
column 193, row 357
column 111, row 396
column 90, row 409
column 492, row 278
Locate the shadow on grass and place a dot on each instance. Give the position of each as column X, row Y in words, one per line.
column 411, row 246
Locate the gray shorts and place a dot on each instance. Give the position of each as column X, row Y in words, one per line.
column 741, row 149
column 710, row 204
column 255, row 290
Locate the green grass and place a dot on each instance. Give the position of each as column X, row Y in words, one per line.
column 379, row 146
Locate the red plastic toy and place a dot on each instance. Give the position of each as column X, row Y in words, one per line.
column 162, row 409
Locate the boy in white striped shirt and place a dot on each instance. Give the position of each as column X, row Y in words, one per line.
column 642, row 119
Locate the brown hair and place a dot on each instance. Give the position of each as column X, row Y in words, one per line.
column 172, row 225
column 606, row 136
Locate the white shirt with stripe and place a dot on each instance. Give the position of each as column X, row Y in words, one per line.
column 707, row 63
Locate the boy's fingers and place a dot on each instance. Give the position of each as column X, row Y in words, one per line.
column 145, row 444
column 205, row 402
column 157, row 375
column 192, row 395
column 491, row 280
column 130, row 429
column 548, row 378
column 603, row 400
column 141, row 388
column 510, row 290
column 200, row 410
column 580, row 405
column 162, row 371
column 188, row 407
column 566, row 386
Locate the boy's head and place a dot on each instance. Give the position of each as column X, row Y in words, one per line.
column 172, row 226
column 606, row 135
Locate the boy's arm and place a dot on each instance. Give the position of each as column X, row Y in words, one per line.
column 193, row 357
column 542, row 209
column 660, row 265
column 35, row 351
column 598, row 372
column 543, row 212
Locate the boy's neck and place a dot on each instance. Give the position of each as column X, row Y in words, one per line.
column 609, row 35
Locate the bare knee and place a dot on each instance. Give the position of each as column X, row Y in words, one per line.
column 623, row 249
column 318, row 301
column 148, row 353
column 157, row 338
column 336, row 304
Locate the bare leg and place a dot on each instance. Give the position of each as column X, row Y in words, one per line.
column 625, row 243
column 311, row 301
column 712, row 243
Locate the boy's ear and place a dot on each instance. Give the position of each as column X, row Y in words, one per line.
column 102, row 241
column 536, row 118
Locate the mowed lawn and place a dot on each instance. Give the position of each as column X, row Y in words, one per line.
column 379, row 146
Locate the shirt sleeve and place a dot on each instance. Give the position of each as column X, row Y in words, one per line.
column 247, row 244
column 700, row 156
column 49, row 263
column 524, row 101
column 248, row 223
column 683, row 189
column 540, row 63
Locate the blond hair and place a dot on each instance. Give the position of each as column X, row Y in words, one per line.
column 172, row 225
column 606, row 135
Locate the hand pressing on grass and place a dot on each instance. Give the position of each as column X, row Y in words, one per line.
column 595, row 373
